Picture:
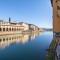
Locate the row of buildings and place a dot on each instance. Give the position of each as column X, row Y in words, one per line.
column 10, row 27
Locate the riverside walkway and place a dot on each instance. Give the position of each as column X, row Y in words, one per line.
column 57, row 55
column 58, row 52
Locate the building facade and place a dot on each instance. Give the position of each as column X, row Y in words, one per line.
column 33, row 27
column 56, row 16
column 13, row 27
column 26, row 25
column 8, row 28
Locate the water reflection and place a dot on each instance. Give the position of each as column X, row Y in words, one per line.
column 6, row 40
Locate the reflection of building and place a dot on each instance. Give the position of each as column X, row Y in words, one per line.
column 33, row 35
column 24, row 38
column 56, row 16
column 6, row 40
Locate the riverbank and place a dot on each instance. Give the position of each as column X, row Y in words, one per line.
column 18, row 32
column 51, row 51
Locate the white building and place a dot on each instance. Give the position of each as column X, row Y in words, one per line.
column 26, row 25
column 33, row 27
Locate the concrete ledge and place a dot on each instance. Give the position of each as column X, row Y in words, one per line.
column 11, row 32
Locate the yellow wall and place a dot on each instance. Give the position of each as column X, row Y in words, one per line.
column 56, row 19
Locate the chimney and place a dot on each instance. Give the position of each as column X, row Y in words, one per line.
column 9, row 20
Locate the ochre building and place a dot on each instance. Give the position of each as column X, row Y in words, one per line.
column 56, row 15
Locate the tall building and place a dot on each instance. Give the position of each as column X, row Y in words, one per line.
column 56, row 16
column 10, row 28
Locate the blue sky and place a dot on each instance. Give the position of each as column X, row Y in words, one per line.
column 38, row 12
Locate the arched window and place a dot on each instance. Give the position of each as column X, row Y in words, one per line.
column 0, row 40
column 0, row 29
column 9, row 29
column 3, row 39
column 12, row 29
column 3, row 29
column 6, row 29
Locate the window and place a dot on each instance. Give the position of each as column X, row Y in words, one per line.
column 12, row 29
column 0, row 40
column 3, row 29
column 58, row 7
column 58, row 3
column 0, row 29
column 3, row 39
column 6, row 29
column 9, row 29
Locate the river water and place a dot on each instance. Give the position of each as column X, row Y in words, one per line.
column 25, row 46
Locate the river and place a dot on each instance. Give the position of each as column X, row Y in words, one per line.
column 25, row 46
